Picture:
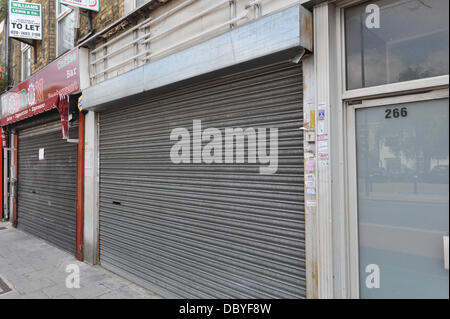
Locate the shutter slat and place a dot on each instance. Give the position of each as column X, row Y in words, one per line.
column 46, row 201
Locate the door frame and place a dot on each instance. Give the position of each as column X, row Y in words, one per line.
column 352, row 186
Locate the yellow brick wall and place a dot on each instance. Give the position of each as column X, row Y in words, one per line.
column 110, row 11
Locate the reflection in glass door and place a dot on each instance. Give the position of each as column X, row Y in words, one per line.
column 403, row 199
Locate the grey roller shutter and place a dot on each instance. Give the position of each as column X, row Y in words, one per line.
column 46, row 203
column 197, row 230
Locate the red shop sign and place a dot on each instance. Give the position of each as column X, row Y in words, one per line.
column 39, row 93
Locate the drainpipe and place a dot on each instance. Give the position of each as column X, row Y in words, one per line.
column 80, row 187
column 7, row 47
column 15, row 142
column 5, row 181
column 1, row 181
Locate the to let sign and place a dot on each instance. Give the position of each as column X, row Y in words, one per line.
column 25, row 20
column 93, row 5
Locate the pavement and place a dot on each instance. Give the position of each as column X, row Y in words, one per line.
column 33, row 269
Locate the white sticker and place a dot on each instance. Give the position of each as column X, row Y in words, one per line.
column 323, row 164
column 311, row 203
column 323, row 146
column 310, row 165
column 324, row 156
column 321, row 115
column 42, row 154
column 311, row 191
column 321, row 128
column 311, row 184
column 88, row 154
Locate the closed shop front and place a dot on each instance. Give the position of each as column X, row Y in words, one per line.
column 46, row 187
column 383, row 193
column 39, row 120
column 180, row 215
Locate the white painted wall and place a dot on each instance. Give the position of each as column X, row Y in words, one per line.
column 91, row 189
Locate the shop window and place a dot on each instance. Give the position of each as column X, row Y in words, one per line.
column 65, row 17
column 26, row 61
column 390, row 41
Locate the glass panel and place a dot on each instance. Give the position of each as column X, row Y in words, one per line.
column 26, row 64
column 62, row 8
column 403, row 199
column 140, row 3
column 66, row 33
column 412, row 42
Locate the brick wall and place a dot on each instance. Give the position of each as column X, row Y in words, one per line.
column 110, row 11
column 45, row 54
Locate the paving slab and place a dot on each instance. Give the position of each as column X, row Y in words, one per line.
column 34, row 269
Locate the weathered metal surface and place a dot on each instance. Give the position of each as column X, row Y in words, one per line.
column 199, row 230
column 46, row 202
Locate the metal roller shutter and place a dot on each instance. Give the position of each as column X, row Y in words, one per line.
column 46, row 203
column 197, row 230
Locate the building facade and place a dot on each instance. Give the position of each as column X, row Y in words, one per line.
column 238, row 149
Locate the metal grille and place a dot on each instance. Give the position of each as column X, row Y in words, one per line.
column 47, row 188
column 198, row 230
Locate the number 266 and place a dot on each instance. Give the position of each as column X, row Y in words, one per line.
column 396, row 113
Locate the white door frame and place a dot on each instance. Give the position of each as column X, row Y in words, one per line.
column 352, row 187
column 331, row 247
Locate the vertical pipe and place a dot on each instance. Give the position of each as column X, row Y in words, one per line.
column 80, row 187
column 94, row 68
column 136, row 47
column 2, row 216
column 105, row 61
column 6, row 214
column 14, row 178
column 258, row 11
column 6, row 88
column 232, row 12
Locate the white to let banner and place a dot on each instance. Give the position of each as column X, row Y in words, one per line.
column 25, row 20
column 93, row 5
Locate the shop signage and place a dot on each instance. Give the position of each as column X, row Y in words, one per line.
column 93, row 5
column 25, row 20
column 40, row 92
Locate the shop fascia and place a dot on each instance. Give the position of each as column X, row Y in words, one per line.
column 45, row 90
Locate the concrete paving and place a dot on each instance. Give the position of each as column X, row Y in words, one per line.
column 34, row 269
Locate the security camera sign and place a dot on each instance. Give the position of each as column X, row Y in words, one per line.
column 25, row 20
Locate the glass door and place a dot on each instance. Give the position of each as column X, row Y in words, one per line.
column 402, row 201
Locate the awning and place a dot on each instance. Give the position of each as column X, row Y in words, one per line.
column 60, row 102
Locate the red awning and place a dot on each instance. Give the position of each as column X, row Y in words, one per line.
column 60, row 102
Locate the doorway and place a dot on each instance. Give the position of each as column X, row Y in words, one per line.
column 399, row 171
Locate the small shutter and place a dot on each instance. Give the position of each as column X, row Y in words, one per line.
column 46, row 203
column 198, row 230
